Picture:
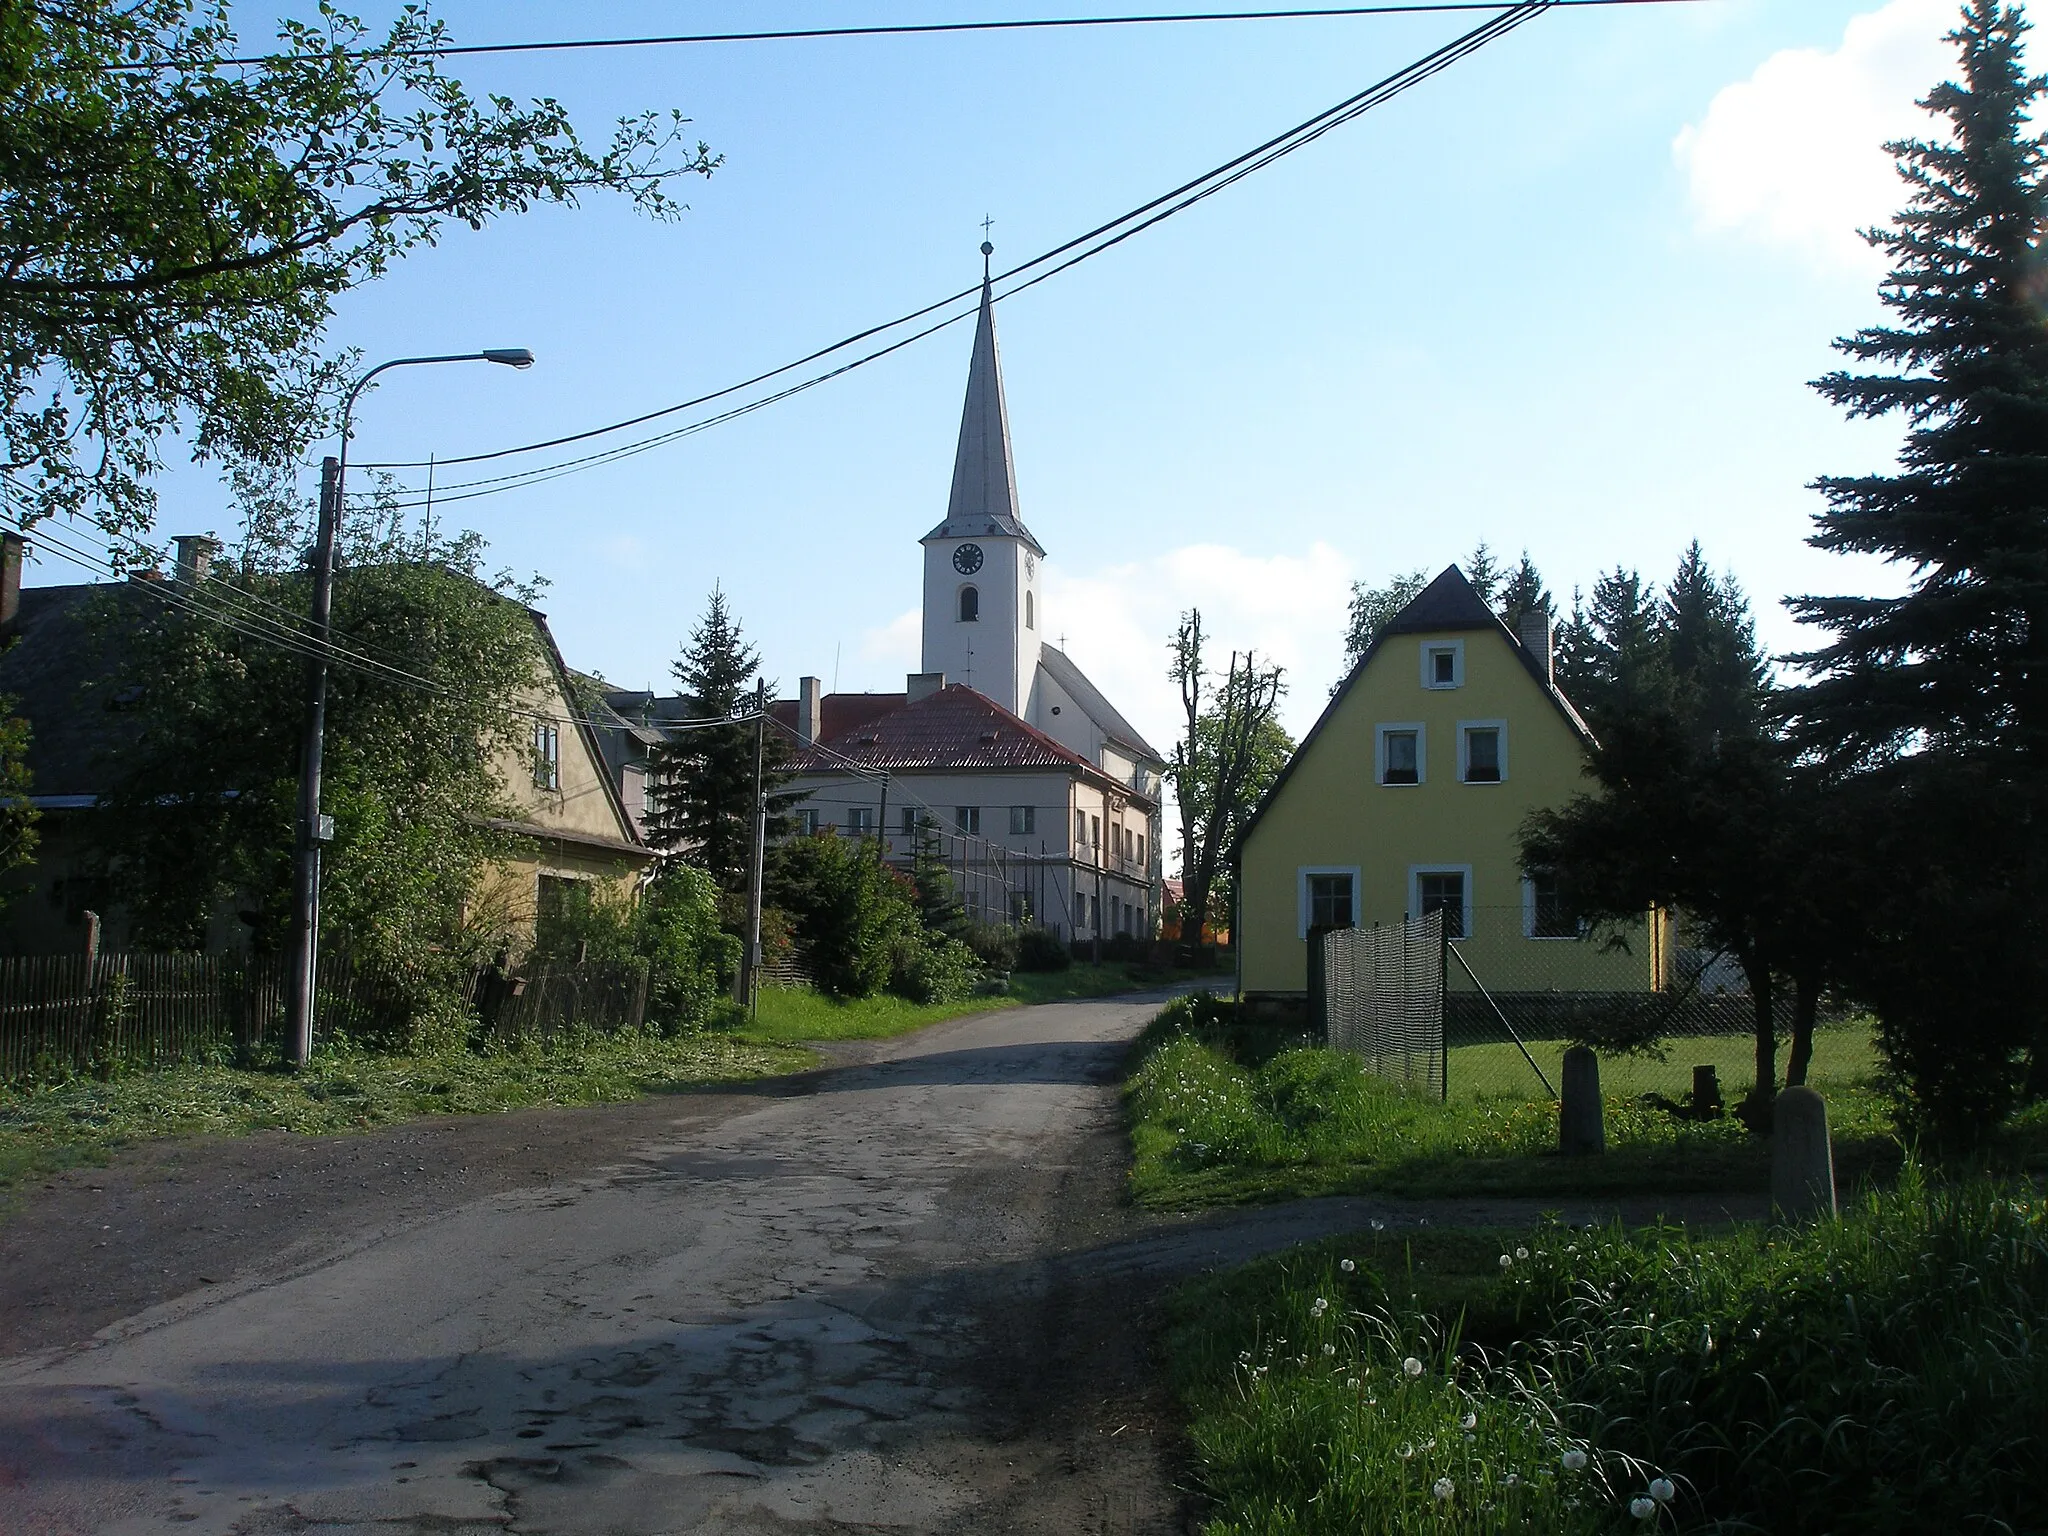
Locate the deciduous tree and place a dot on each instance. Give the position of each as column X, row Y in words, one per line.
column 175, row 228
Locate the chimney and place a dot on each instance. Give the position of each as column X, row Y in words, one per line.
column 12, row 548
column 1535, row 636
column 195, row 557
column 810, row 709
column 922, row 685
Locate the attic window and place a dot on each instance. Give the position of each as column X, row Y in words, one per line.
column 992, row 736
column 1443, row 664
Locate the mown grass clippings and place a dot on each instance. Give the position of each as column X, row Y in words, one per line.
column 83, row 1120
column 1879, row 1374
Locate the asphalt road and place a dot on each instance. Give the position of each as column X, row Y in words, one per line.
column 898, row 1295
column 844, row 1306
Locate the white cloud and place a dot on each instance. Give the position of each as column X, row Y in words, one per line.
column 1291, row 609
column 1794, row 155
column 897, row 643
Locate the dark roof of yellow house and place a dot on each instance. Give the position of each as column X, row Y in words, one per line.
column 1448, row 605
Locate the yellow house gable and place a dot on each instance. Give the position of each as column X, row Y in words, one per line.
column 569, row 820
column 1411, row 791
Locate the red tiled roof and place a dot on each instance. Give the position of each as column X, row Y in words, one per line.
column 953, row 728
column 840, row 713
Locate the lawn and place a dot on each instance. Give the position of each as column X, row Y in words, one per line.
column 1877, row 1374
column 790, row 1015
column 1842, row 1057
column 1223, row 1113
column 85, row 1120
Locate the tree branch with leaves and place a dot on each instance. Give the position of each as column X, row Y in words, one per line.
column 1230, row 753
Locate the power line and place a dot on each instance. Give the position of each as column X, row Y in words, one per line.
column 212, row 602
column 1076, row 250
column 797, row 34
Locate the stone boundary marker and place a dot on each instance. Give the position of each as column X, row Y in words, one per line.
column 1581, row 1129
column 1802, row 1157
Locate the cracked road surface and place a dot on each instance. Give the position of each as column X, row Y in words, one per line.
column 859, row 1302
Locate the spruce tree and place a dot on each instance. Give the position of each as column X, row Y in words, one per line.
column 1610, row 653
column 1711, row 656
column 1485, row 573
column 1960, row 660
column 1523, row 593
column 703, row 796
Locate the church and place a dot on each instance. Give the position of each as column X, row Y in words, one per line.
column 1042, row 799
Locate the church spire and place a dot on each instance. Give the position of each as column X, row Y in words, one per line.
column 984, row 497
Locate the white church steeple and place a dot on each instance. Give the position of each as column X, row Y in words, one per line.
column 981, row 618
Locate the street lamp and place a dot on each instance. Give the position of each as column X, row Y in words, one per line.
column 313, row 828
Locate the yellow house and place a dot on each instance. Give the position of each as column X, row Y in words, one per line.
column 1407, row 797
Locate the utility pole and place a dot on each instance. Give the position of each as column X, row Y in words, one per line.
column 750, row 969
column 882, row 827
column 313, row 828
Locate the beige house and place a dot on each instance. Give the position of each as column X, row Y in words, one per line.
column 570, row 823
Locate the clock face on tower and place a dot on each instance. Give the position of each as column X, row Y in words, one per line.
column 967, row 559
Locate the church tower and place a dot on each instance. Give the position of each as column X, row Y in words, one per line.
column 981, row 599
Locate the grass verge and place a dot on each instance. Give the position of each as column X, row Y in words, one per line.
column 789, row 1015
column 1223, row 1113
column 85, row 1120
column 1881, row 1373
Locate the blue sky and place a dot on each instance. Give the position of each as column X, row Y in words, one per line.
column 1565, row 297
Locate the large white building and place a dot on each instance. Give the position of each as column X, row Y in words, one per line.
column 1045, row 797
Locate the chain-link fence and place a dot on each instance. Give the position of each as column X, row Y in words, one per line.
column 1518, row 987
column 1382, row 997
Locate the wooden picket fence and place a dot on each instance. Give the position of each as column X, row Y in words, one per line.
column 61, row 1015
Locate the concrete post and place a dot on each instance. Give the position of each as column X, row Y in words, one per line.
column 1802, row 1157
column 1581, row 1131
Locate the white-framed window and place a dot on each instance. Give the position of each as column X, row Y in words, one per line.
column 1031, row 610
column 910, row 821
column 1081, row 828
column 1482, row 751
column 1545, row 913
column 807, row 821
column 967, row 820
column 1445, row 888
column 1023, row 820
column 1443, row 664
column 860, row 820
column 1328, row 895
column 1094, row 831
column 1141, row 848
column 970, row 605
column 1400, row 753
column 547, row 756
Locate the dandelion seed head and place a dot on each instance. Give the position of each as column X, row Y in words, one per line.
column 1347, row 1265
column 1443, row 1489
column 1521, row 1253
column 1470, row 1421
column 1411, row 1366
column 1329, row 1349
column 1506, row 1262
column 1662, row 1491
column 1642, row 1508
column 1575, row 1460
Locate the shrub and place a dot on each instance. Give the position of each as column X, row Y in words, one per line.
column 928, row 968
column 1039, row 949
column 848, row 912
column 691, row 959
column 996, row 945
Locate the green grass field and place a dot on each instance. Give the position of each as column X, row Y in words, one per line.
column 1225, row 1114
column 1843, row 1056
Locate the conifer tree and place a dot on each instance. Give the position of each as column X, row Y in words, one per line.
column 1523, row 592
column 1485, row 573
column 1608, row 653
column 1710, row 650
column 939, row 908
column 703, row 778
column 1960, row 660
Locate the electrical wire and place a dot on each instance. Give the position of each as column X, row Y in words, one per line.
column 906, row 29
column 1082, row 247
column 211, row 602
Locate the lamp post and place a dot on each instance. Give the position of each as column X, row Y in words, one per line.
column 313, row 829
